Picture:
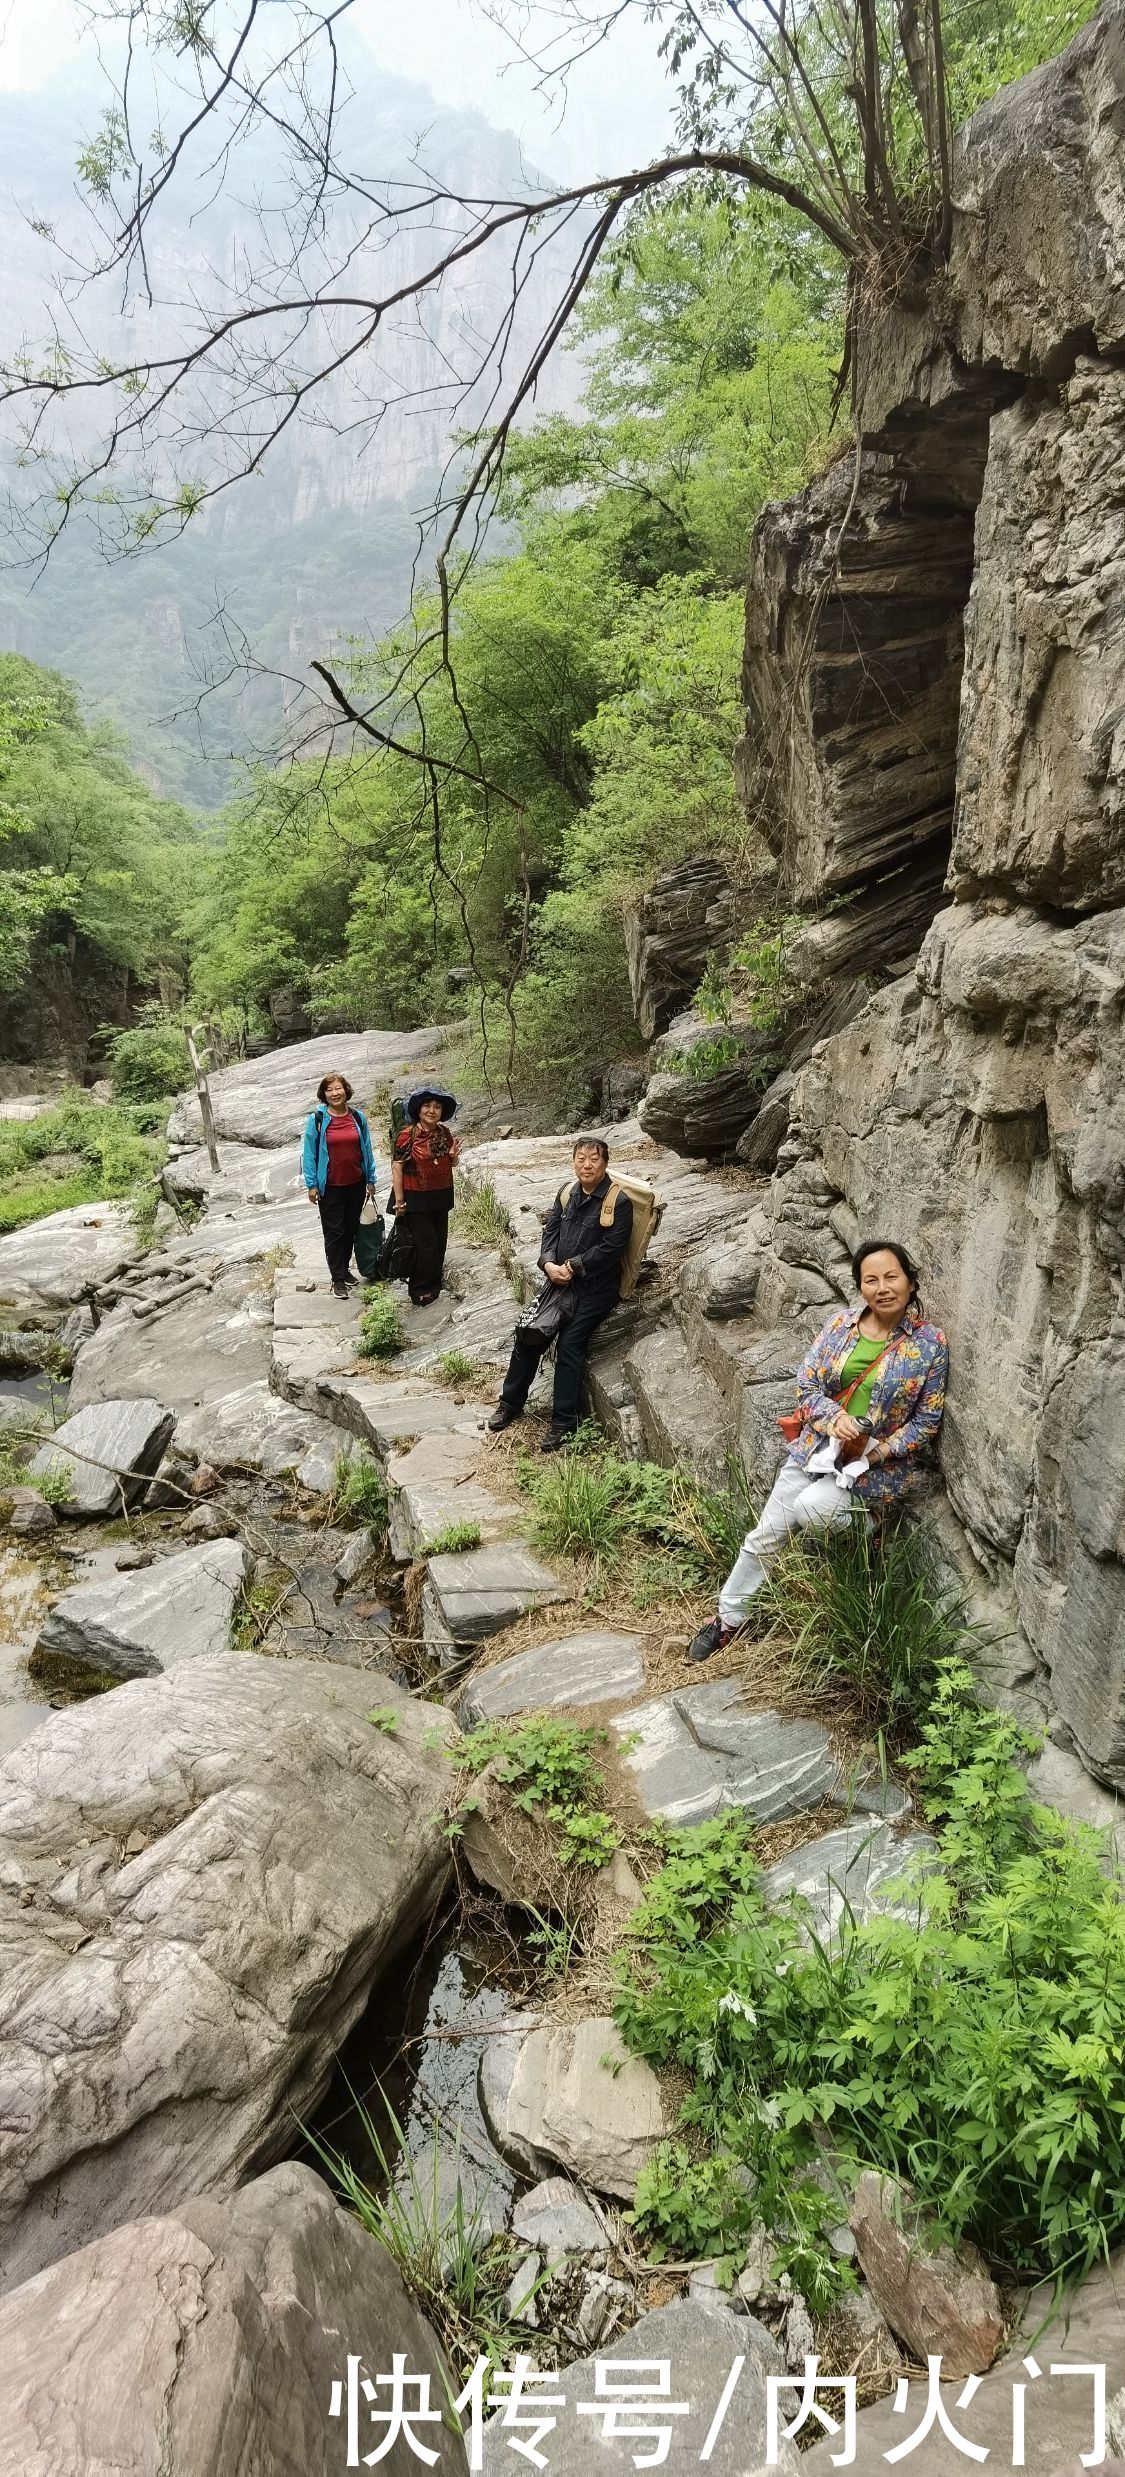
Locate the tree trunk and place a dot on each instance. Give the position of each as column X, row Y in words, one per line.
column 205, row 1110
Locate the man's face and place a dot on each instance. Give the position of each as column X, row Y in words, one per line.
column 589, row 1166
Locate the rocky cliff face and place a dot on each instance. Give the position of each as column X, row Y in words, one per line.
column 950, row 664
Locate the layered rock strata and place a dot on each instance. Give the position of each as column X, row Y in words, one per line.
column 974, row 1107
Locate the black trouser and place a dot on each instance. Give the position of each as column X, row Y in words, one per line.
column 570, row 1360
column 427, row 1226
column 340, row 1208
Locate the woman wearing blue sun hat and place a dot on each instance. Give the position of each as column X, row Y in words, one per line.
column 422, row 1165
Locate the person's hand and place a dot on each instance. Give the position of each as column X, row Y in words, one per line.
column 846, row 1428
column 875, row 1454
column 455, row 1150
column 556, row 1272
column 313, row 1196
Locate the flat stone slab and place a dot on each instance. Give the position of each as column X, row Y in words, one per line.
column 470, row 1596
column 191, row 1353
column 774, row 1766
column 699, row 2346
column 54, row 1261
column 107, row 1438
column 254, row 1427
column 386, row 1413
column 296, row 1309
column 700, row 1750
column 436, row 1482
column 848, row 1876
column 138, row 1625
column 577, row 1669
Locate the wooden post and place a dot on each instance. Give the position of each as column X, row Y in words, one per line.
column 205, row 1110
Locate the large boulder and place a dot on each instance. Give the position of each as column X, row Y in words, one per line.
column 106, row 1454
column 211, row 1342
column 210, row 2340
column 698, row 2345
column 137, row 1625
column 201, row 1876
column 267, row 1100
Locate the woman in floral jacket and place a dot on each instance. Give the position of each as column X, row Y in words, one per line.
column 892, row 1365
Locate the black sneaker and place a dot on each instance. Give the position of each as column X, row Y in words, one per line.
column 502, row 1417
column 710, row 1639
column 555, row 1439
column 339, row 1290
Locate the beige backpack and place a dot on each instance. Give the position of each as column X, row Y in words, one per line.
column 648, row 1213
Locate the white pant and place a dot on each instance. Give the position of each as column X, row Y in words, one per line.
column 796, row 1503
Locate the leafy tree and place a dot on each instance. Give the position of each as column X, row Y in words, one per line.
column 92, row 863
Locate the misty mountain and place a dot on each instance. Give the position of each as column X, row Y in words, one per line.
column 319, row 544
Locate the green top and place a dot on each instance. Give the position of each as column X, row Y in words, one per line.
column 859, row 1358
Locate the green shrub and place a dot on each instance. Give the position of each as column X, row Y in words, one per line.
column 550, row 1764
column 705, row 1058
column 978, row 2055
column 380, row 1327
column 76, row 1152
column 359, row 1491
column 150, row 1062
column 454, row 1540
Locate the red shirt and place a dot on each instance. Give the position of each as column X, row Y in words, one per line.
column 345, row 1160
column 426, row 1157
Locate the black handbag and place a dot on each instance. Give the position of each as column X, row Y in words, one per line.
column 547, row 1315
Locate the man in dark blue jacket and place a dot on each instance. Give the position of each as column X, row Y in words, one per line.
column 583, row 1260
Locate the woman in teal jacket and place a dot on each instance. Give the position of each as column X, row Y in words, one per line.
column 338, row 1168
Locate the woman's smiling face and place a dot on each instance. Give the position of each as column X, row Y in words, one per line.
column 886, row 1288
column 334, row 1093
column 430, row 1113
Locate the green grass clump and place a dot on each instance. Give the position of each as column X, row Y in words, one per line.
column 592, row 1503
column 482, row 1218
column 976, row 2054
column 414, row 2204
column 453, row 1540
column 359, row 1491
column 867, row 1613
column 77, row 1152
column 454, row 1367
column 380, row 1327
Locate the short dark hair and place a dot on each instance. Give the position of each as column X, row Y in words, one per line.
column 333, row 1077
column 890, row 1247
column 597, row 1143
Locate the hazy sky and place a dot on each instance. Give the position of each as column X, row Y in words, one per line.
column 618, row 109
